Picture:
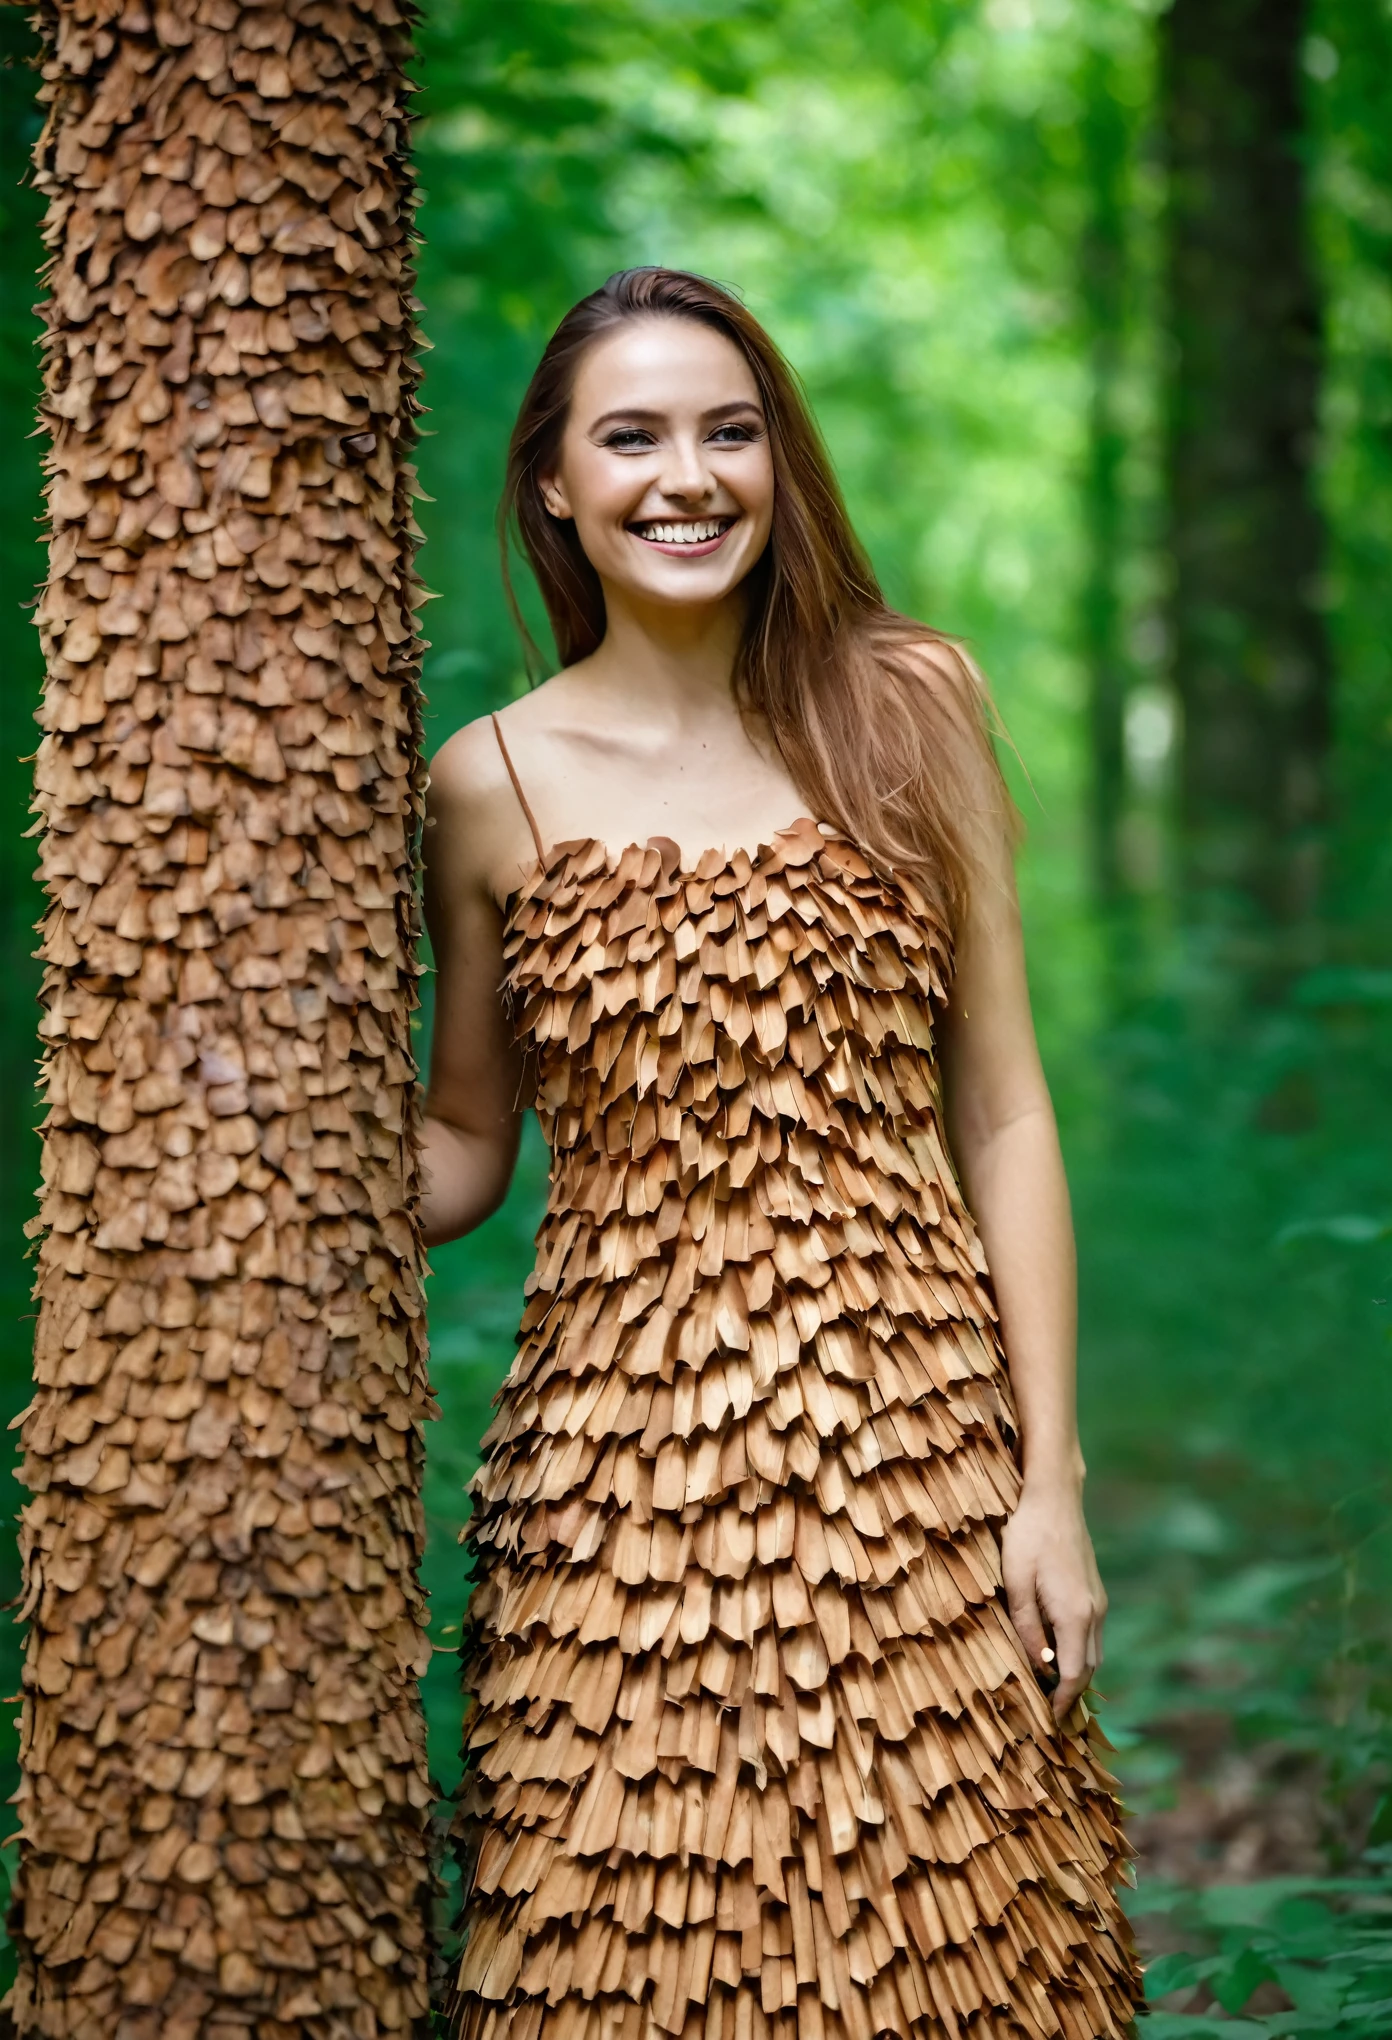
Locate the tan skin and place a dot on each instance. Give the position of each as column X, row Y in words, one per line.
column 665, row 441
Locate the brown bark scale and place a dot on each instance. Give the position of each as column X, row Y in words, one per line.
column 225, row 1799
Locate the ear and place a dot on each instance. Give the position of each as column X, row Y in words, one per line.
column 553, row 495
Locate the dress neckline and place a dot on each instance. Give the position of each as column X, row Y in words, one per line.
column 542, row 865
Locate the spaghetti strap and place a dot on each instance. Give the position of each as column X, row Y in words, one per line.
column 525, row 804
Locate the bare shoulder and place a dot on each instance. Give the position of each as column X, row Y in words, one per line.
column 477, row 833
column 468, row 767
column 543, row 735
column 471, row 764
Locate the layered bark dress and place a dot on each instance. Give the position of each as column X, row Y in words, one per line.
column 755, row 1752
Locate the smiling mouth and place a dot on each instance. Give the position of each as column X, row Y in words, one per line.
column 687, row 533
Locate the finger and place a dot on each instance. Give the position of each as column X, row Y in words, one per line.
column 1071, row 1637
column 1025, row 1615
column 1065, row 1693
column 1089, row 1667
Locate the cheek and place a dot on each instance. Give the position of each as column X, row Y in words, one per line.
column 598, row 493
column 758, row 488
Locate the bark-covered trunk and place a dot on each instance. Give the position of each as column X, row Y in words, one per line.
column 1251, row 661
column 224, row 1800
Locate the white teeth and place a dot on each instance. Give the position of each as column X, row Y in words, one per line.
column 683, row 534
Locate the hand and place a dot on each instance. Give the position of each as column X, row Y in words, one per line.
column 1052, row 1584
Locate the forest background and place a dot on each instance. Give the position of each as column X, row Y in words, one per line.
column 1094, row 303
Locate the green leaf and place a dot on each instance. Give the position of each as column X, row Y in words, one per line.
column 1186, row 2026
column 1380, row 1833
column 1174, row 1972
column 1315, row 1992
column 1234, row 1985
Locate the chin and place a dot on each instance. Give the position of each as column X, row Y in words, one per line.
column 683, row 588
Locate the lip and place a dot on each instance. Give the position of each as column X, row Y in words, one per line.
column 700, row 551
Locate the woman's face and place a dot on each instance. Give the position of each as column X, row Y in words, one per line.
column 665, row 463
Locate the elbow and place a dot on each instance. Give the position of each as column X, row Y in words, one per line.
column 981, row 1129
column 982, row 1141
column 440, row 1224
column 464, row 1178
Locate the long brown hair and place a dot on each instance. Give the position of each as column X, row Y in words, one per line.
column 877, row 737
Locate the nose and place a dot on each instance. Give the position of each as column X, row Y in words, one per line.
column 686, row 476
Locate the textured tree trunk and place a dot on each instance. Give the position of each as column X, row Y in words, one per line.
column 224, row 1795
column 1106, row 142
column 1250, row 655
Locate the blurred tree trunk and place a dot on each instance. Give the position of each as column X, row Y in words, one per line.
column 1103, row 264
column 224, row 1796
column 1250, row 655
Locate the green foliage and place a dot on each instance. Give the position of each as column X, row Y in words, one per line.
column 1324, row 1946
column 1289, row 1958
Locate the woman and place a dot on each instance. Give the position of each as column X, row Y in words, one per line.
column 757, row 1748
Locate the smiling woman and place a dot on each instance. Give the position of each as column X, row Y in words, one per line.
column 757, row 1749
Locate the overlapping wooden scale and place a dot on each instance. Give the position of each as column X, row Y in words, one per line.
column 225, row 1797
column 756, row 1751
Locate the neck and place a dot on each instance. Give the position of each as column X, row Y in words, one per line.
column 680, row 661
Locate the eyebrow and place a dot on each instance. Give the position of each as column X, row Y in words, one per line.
column 636, row 415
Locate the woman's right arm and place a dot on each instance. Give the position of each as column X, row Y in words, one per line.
column 472, row 1119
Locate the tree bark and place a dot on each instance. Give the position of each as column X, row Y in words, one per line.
column 224, row 1798
column 1249, row 648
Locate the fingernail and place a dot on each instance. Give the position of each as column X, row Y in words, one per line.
column 1047, row 1655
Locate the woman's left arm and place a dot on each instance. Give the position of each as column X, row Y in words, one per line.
column 1003, row 1135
